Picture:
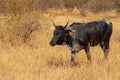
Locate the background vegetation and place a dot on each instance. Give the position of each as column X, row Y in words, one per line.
column 26, row 30
column 23, row 6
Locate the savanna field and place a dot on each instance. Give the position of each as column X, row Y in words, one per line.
column 32, row 58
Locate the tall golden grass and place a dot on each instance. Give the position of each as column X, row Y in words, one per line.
column 37, row 60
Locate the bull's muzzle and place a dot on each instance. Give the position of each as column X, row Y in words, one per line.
column 52, row 43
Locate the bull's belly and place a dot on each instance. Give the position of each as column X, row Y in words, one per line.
column 95, row 43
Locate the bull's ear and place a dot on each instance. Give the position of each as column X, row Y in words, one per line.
column 54, row 24
column 66, row 24
column 69, row 32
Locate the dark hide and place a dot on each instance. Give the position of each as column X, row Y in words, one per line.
column 82, row 36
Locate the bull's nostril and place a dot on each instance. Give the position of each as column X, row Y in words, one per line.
column 52, row 44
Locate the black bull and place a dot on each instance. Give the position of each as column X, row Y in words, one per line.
column 82, row 36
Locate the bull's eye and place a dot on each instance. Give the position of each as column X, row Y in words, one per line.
column 57, row 34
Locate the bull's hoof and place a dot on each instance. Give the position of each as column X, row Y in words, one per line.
column 71, row 63
column 74, row 64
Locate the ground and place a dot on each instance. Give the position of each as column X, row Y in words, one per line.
column 41, row 61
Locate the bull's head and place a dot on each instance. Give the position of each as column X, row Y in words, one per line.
column 58, row 35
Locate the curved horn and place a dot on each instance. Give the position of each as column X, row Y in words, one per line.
column 66, row 24
column 53, row 23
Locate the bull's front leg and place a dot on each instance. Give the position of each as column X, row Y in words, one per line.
column 87, row 51
column 72, row 57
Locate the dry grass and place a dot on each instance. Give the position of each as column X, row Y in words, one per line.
column 43, row 62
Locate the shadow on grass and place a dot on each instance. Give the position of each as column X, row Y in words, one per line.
column 63, row 64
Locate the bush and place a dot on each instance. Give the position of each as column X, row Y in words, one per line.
column 117, row 5
column 102, row 5
column 26, row 6
column 75, row 3
column 20, row 28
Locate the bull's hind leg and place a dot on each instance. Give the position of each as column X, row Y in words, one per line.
column 105, row 47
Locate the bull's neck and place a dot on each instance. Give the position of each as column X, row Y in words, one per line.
column 69, row 40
